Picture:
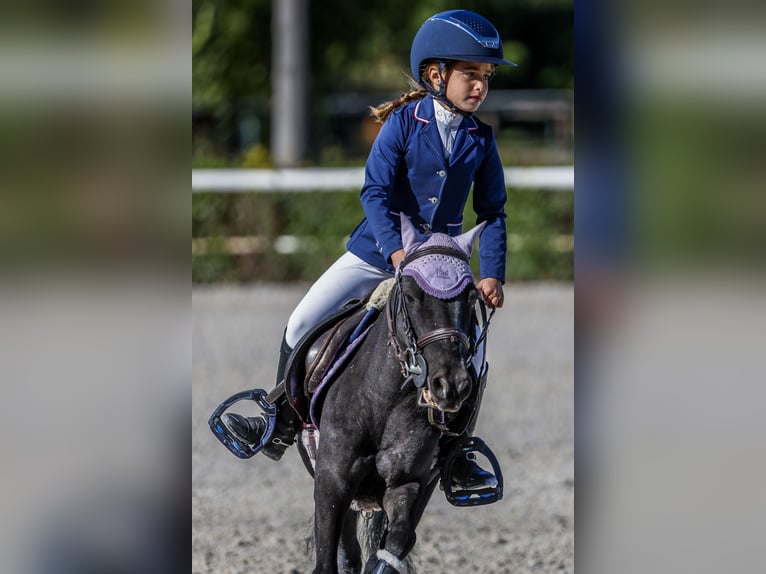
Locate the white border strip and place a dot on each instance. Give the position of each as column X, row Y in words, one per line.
column 328, row 178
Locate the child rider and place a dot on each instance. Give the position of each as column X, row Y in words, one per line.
column 430, row 150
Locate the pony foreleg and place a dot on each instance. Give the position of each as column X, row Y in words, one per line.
column 349, row 551
column 331, row 502
column 399, row 503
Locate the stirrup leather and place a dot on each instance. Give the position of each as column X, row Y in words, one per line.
column 237, row 447
column 459, row 497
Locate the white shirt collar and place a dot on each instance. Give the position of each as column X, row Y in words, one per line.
column 445, row 117
column 447, row 122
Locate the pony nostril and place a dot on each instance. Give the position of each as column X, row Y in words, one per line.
column 445, row 389
column 464, row 388
column 439, row 387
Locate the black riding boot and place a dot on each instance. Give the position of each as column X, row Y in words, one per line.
column 466, row 472
column 251, row 429
column 468, row 475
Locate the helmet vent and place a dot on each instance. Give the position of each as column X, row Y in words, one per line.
column 478, row 25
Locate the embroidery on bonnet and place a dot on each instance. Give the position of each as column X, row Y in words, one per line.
column 440, row 275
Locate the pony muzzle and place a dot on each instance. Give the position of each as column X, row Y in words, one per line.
column 445, row 395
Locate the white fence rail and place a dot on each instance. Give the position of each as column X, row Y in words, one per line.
column 330, row 178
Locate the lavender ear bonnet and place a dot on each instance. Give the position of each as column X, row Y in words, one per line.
column 439, row 275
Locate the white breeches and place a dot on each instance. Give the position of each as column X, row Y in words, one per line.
column 348, row 278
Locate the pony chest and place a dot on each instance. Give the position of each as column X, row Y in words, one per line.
column 410, row 450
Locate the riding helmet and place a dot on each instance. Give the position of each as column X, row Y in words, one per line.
column 456, row 35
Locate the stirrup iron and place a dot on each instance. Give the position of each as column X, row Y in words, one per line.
column 237, row 447
column 471, row 497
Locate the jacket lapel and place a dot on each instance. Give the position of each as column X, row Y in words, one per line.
column 465, row 140
column 424, row 113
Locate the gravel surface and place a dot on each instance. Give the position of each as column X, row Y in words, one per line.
column 254, row 516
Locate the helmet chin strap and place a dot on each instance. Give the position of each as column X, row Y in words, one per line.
column 441, row 94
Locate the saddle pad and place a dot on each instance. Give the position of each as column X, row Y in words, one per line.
column 330, row 374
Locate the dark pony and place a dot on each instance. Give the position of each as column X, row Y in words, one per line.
column 385, row 417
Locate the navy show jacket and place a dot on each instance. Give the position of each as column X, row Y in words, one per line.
column 408, row 171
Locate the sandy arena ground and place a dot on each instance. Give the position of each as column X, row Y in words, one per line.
column 253, row 516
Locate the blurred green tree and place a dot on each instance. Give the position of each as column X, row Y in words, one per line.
column 364, row 46
column 354, row 47
column 231, row 48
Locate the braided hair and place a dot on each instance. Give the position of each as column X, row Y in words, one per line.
column 417, row 91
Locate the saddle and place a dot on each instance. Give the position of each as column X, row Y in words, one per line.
column 321, row 354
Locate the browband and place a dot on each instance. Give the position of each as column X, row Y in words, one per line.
column 433, row 250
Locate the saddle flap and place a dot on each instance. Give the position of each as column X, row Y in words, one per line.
column 325, row 349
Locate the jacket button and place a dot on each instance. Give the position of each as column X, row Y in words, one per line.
column 433, row 199
column 441, row 173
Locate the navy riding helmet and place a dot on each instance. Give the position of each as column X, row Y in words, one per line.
column 456, row 35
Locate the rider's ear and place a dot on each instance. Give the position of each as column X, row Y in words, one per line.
column 467, row 240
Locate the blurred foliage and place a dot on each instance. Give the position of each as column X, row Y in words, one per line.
column 540, row 235
column 298, row 235
column 365, row 45
column 359, row 47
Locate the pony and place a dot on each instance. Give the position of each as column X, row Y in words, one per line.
column 386, row 417
column 394, row 401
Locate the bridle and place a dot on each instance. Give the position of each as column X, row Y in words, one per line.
column 409, row 352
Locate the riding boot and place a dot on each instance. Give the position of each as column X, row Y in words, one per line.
column 468, row 475
column 466, row 472
column 251, row 429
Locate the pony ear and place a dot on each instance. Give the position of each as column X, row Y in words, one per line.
column 410, row 235
column 467, row 240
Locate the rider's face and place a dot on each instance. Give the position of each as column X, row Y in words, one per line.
column 467, row 83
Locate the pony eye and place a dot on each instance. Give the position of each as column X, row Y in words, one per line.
column 410, row 298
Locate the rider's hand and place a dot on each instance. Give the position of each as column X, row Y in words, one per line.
column 491, row 290
column 397, row 257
